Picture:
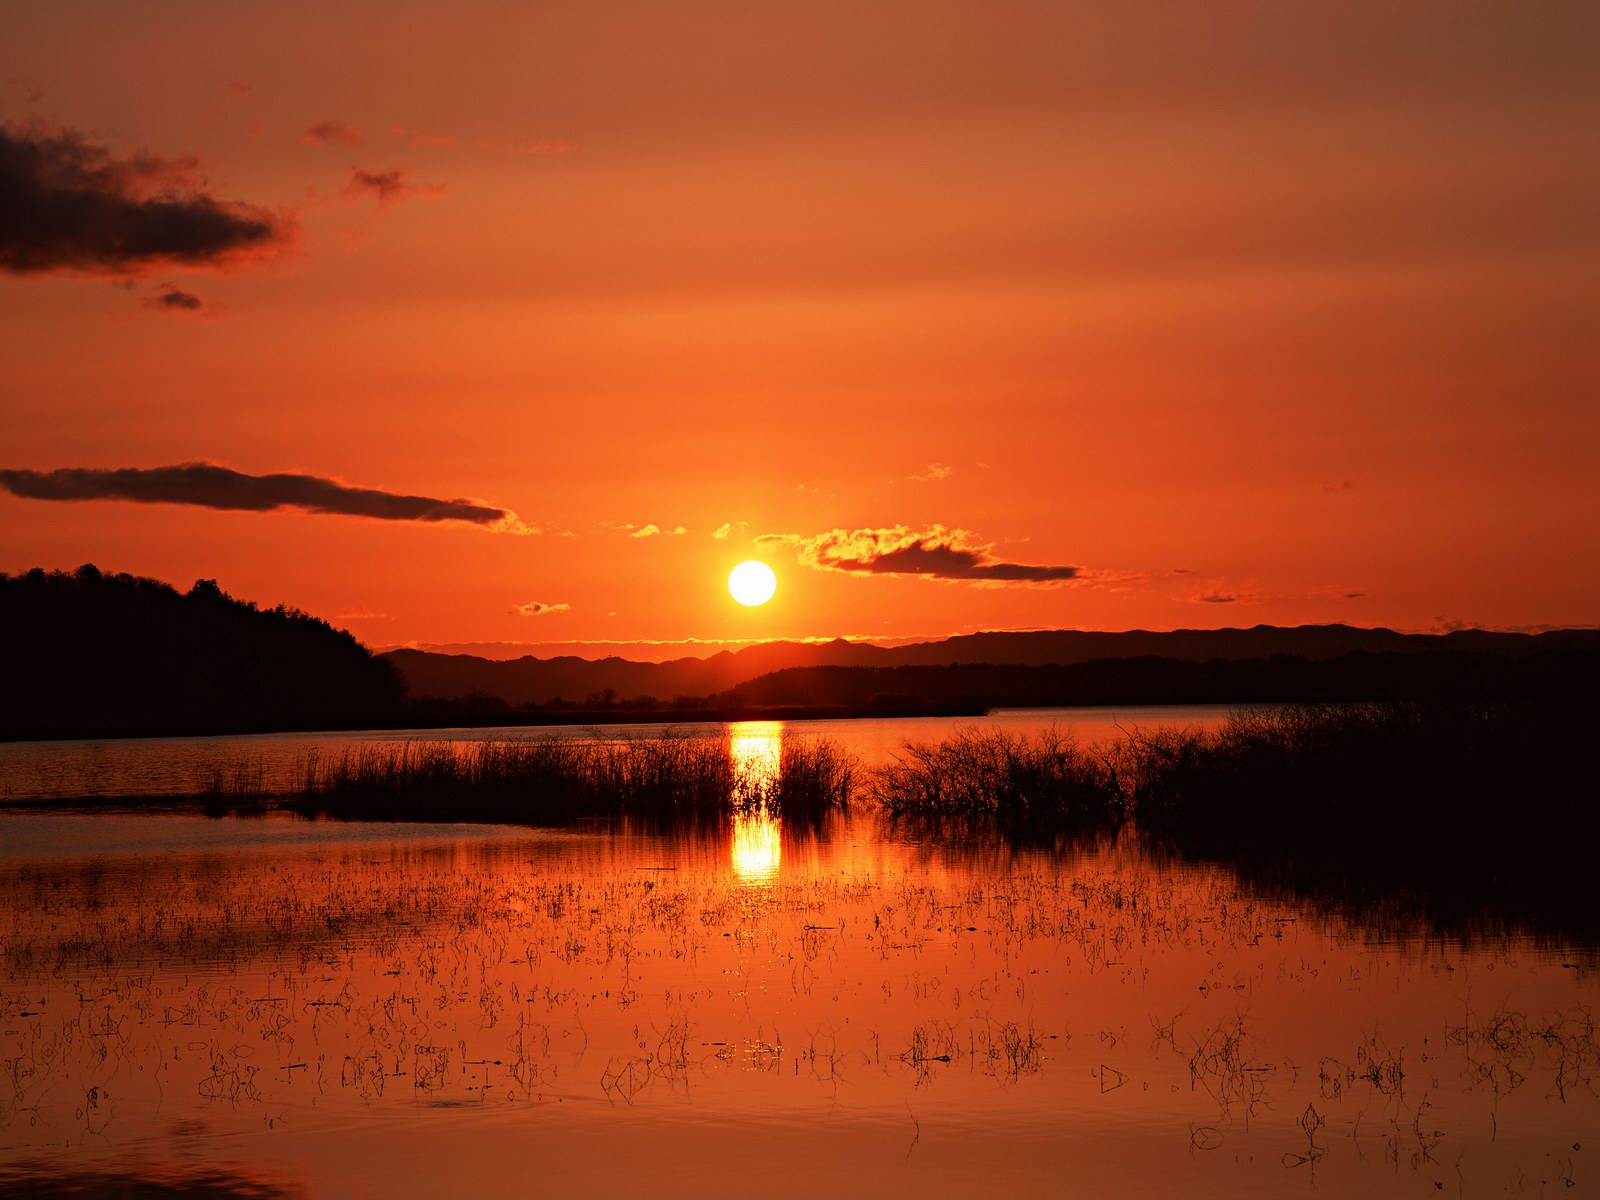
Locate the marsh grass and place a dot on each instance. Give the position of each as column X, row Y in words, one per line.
column 815, row 777
column 1465, row 813
column 1458, row 809
column 1044, row 780
column 554, row 781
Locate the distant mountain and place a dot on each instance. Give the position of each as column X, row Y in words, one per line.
column 89, row 654
column 540, row 680
column 1565, row 672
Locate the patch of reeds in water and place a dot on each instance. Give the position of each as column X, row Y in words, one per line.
column 815, row 777
column 1043, row 780
column 552, row 781
column 1470, row 814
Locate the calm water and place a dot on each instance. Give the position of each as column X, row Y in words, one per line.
column 279, row 1007
column 179, row 766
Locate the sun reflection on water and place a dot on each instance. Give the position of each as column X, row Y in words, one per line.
column 757, row 845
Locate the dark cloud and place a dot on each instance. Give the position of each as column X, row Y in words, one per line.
column 389, row 187
column 936, row 552
column 68, row 205
column 1217, row 598
column 171, row 298
column 209, row 486
column 326, row 132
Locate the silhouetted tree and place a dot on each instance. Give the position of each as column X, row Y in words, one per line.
column 96, row 654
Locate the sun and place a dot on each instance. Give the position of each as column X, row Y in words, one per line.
column 752, row 583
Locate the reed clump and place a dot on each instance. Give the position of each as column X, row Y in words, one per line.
column 815, row 777
column 670, row 776
column 1467, row 812
column 1017, row 781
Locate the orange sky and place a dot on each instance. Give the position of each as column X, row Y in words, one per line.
column 1250, row 312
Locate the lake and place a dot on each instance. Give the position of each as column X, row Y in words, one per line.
column 181, row 766
column 280, row 1007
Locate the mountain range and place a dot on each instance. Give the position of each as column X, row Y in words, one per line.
column 532, row 680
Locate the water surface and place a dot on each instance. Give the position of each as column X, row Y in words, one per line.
column 286, row 1007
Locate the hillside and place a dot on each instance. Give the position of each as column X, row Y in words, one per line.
column 1360, row 676
column 539, row 681
column 90, row 655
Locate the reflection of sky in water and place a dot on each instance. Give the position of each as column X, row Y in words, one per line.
column 757, row 846
column 403, row 1012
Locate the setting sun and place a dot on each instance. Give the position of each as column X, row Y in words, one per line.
column 752, row 583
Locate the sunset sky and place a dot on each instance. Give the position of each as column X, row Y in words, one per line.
column 523, row 323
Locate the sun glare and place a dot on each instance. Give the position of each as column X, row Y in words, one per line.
column 752, row 583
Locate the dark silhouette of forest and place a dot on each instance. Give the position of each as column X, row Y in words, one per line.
column 90, row 654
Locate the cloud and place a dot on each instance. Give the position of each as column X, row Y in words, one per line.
column 1329, row 489
column 67, row 205
column 528, row 147
column 327, row 132
column 537, row 608
column 934, row 473
column 389, row 187
column 1219, row 590
column 420, row 140
column 656, row 531
column 937, row 552
column 206, row 485
column 361, row 614
column 171, row 298
column 730, row 529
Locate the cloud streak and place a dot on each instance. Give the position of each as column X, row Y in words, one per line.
column 388, row 187
column 324, row 133
column 171, row 298
column 67, row 205
column 652, row 530
column 538, row 608
column 938, row 552
column 206, row 485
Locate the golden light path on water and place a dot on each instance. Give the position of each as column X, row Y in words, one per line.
column 757, row 846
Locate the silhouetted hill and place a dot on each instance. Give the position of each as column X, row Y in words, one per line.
column 1282, row 678
column 90, row 655
column 538, row 681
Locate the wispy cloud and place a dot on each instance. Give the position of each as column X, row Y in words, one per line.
column 730, row 529
column 1216, row 590
column 171, row 298
column 71, row 206
column 389, row 187
column 206, row 485
column 649, row 531
column 937, row 552
column 326, row 133
column 934, row 473
column 537, row 608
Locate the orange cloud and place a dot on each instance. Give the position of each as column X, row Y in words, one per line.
column 937, row 552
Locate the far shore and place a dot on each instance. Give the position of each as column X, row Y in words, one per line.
column 555, row 717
